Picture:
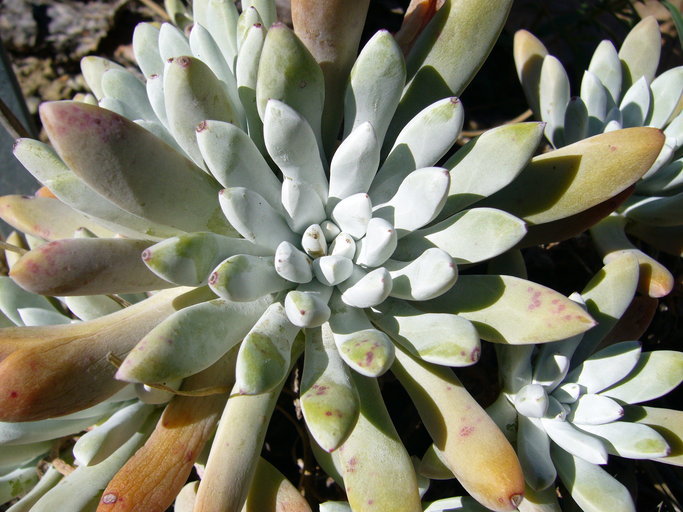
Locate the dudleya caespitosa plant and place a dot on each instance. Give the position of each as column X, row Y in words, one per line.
column 619, row 89
column 219, row 181
column 567, row 405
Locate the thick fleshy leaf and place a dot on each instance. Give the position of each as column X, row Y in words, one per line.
column 668, row 422
column 593, row 409
column 13, row 299
column 288, row 73
column 533, row 447
column 168, row 456
column 193, row 94
column 263, row 357
column 246, row 72
column 553, row 99
column 529, row 53
column 576, row 121
column 378, row 243
column 451, row 340
column 630, row 440
column 656, row 374
column 190, row 340
column 448, row 53
column 606, row 66
column 64, row 368
column 331, row 31
column 229, row 472
column 363, row 290
column 421, row 143
column 244, row 278
column 333, row 269
column 204, row 47
column 124, row 86
column 365, row 349
column 566, row 436
column 667, row 89
column 354, row 163
column 611, row 240
column 427, row 276
column 329, row 399
column 418, row 200
column 146, row 49
column 507, row 148
column 189, row 259
column 668, row 239
column 635, row 105
column 606, row 367
column 84, row 485
column 45, row 217
column 131, row 167
column 469, row 236
column 292, row 145
column 292, row 264
column 219, row 17
column 86, row 266
column 658, row 211
column 307, row 306
column 254, row 218
column 235, row 161
column 607, row 296
column 46, row 482
column 352, row 215
column 462, row 431
column 594, row 96
column 375, row 85
column 93, row 68
column 97, row 444
column 172, row 42
column 593, row 488
column 506, row 309
column 639, row 53
column 564, row 182
column 270, row 490
column 391, row 485
column 43, row 162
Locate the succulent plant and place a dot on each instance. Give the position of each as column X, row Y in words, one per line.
column 218, row 184
column 566, row 406
column 618, row 90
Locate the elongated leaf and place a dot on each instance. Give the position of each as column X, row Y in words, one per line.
column 43, row 162
column 469, row 236
column 64, row 368
column 630, row 440
column 451, row 340
column 656, row 374
column 606, row 367
column 329, row 399
column 575, row 442
column 593, row 489
column 131, row 167
column 375, row 85
column 331, row 31
column 507, row 149
column 45, row 217
column 506, row 309
column 189, row 259
column 593, row 409
column 668, row 422
column 168, row 455
column 529, row 53
column 190, row 340
column 289, row 73
column 219, row 17
column 263, row 357
column 639, row 53
column 369, row 486
column 93, row 68
column 611, row 240
column 270, row 490
column 229, row 471
column 146, row 49
column 13, row 298
column 448, row 53
column 658, row 211
column 421, row 143
column 124, row 86
column 606, row 67
column 553, row 99
column 463, row 432
column 86, row 266
column 567, row 181
column 533, row 447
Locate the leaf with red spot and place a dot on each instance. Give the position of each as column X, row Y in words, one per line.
column 507, row 309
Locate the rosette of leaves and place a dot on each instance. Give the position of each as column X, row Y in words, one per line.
column 619, row 89
column 218, row 181
column 570, row 404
